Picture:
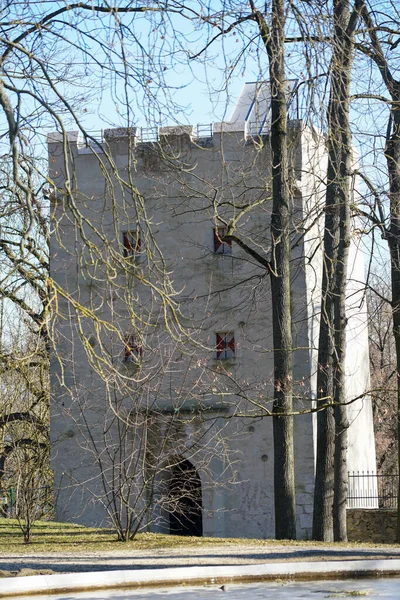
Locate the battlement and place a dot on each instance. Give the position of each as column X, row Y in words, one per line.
column 198, row 135
column 250, row 119
column 139, row 134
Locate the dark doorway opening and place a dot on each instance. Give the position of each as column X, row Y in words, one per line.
column 185, row 500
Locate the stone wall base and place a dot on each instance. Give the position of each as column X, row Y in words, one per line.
column 375, row 525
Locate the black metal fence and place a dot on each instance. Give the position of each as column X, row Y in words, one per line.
column 371, row 490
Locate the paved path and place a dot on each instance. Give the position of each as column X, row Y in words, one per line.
column 192, row 575
column 224, row 554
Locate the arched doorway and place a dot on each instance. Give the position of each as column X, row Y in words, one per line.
column 185, row 500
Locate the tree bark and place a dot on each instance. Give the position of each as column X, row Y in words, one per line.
column 284, row 483
column 331, row 492
column 392, row 154
column 324, row 476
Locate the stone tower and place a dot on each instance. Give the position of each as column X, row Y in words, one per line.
column 163, row 390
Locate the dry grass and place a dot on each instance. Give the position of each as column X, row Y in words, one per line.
column 52, row 537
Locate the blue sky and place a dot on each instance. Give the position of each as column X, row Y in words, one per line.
column 166, row 86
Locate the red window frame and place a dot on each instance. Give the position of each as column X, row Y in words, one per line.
column 221, row 247
column 131, row 243
column 225, row 346
column 133, row 351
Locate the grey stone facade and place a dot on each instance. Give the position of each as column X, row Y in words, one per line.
column 185, row 186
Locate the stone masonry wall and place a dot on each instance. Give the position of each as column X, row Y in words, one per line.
column 371, row 525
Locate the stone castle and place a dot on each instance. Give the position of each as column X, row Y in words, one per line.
column 162, row 390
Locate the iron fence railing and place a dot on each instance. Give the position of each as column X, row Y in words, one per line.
column 152, row 134
column 204, row 130
column 201, row 131
column 371, row 490
column 147, row 135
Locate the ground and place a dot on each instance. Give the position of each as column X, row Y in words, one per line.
column 66, row 548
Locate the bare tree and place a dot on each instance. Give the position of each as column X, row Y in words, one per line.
column 124, row 291
column 37, row 46
column 383, row 373
column 284, row 489
column 378, row 46
column 24, row 423
column 24, row 363
column 332, row 431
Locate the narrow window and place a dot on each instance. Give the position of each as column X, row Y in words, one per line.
column 225, row 345
column 221, row 247
column 133, row 351
column 131, row 243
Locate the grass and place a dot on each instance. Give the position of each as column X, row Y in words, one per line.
column 68, row 538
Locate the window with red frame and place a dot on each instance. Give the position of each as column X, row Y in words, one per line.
column 221, row 247
column 133, row 351
column 131, row 243
column 225, row 345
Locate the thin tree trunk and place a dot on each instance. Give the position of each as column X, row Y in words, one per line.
column 331, row 492
column 284, row 484
column 393, row 162
column 392, row 154
column 341, row 419
column 324, row 477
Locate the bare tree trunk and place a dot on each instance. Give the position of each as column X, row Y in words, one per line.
column 324, row 477
column 392, row 154
column 393, row 162
column 331, row 492
column 284, row 486
column 341, row 419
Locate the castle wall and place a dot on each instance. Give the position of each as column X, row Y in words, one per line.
column 178, row 186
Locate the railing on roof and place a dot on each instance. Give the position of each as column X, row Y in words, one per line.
column 204, row 130
column 92, row 138
column 147, row 135
column 152, row 134
column 200, row 131
column 255, row 128
column 369, row 490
